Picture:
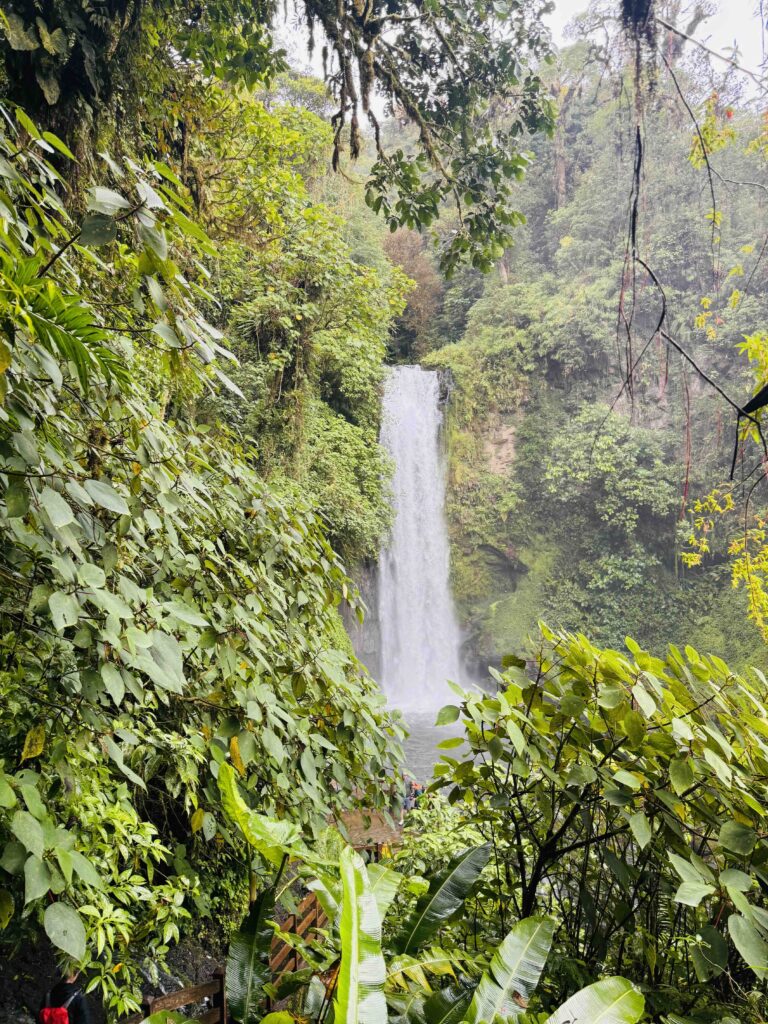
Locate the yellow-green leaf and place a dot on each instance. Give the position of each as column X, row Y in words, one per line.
column 34, row 742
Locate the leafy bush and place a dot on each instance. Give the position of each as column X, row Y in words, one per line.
column 625, row 794
column 350, row 973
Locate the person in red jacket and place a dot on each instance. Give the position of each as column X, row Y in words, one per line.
column 66, row 994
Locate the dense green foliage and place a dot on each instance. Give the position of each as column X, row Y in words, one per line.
column 443, row 64
column 309, row 325
column 163, row 609
column 377, row 974
column 569, row 494
column 194, row 321
column 622, row 802
column 624, row 794
column 190, row 360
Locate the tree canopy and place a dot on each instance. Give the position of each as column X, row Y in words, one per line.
column 450, row 67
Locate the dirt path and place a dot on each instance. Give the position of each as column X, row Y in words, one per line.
column 369, row 829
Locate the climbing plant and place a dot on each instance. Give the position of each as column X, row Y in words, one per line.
column 163, row 610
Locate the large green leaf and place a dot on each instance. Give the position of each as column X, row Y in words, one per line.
column 360, row 986
column 446, row 1006
column 37, row 879
column 436, row 961
column 750, row 944
column 514, row 971
column 271, row 837
column 328, row 892
column 384, row 885
column 610, row 1001
column 406, row 1007
column 710, row 954
column 64, row 927
column 445, row 896
column 738, row 838
column 248, row 960
column 105, row 495
column 29, row 831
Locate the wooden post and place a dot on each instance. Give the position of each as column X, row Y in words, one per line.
column 220, row 999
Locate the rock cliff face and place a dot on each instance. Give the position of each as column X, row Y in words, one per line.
column 567, row 511
column 446, row 384
column 499, row 448
column 366, row 636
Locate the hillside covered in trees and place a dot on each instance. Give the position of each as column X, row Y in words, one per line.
column 574, row 485
column 208, row 263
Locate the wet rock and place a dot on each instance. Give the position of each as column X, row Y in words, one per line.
column 446, row 384
column 16, row 1017
column 504, row 564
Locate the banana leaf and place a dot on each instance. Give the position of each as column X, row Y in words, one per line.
column 273, row 838
column 248, row 960
column 406, row 1007
column 384, row 885
column 402, row 968
column 360, row 986
column 447, row 1006
column 514, row 971
column 435, row 961
column 445, row 896
column 314, row 999
column 288, row 983
column 328, row 892
column 610, row 1001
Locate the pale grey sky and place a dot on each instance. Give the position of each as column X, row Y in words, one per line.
column 736, row 21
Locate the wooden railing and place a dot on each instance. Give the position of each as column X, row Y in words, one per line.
column 283, row 957
column 214, row 990
column 309, row 914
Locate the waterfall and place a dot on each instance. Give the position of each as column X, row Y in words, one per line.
column 420, row 639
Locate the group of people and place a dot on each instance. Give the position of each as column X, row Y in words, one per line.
column 413, row 792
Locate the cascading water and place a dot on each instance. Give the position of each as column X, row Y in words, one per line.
column 420, row 638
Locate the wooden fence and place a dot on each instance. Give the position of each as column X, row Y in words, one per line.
column 283, row 957
column 213, row 990
column 309, row 914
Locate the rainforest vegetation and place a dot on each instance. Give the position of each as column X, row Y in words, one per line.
column 572, row 499
column 208, row 259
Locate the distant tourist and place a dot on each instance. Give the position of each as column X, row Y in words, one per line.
column 397, row 800
column 410, row 797
column 65, row 1003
